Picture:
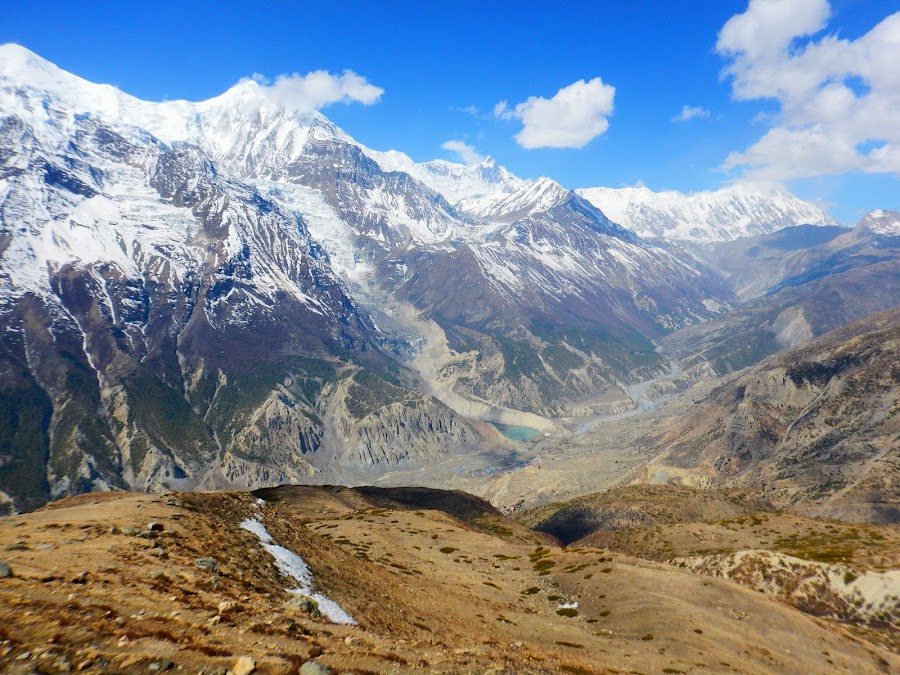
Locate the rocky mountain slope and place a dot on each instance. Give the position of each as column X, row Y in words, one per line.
column 424, row 580
column 803, row 292
column 814, row 427
column 704, row 217
column 753, row 266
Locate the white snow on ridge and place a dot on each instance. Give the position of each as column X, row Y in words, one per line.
column 239, row 127
column 454, row 181
column 535, row 197
column 706, row 217
column 292, row 565
column 885, row 223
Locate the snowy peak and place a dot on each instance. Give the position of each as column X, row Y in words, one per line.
column 704, row 217
column 244, row 128
column 17, row 62
column 536, row 197
column 454, row 181
column 884, row 223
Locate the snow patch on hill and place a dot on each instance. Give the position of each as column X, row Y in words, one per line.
column 292, row 566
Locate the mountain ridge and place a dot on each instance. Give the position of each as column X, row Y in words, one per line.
column 704, row 217
column 142, row 243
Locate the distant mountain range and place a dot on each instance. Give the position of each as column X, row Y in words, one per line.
column 235, row 292
column 704, row 217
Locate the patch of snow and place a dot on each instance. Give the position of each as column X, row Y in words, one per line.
column 292, row 565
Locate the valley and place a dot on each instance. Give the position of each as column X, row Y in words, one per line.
column 275, row 401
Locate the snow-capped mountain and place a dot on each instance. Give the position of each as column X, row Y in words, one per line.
column 884, row 223
column 132, row 272
column 454, row 181
column 539, row 195
column 235, row 291
column 704, row 217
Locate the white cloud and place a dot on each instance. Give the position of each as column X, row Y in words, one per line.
column 470, row 110
column 318, row 89
column 768, row 27
column 571, row 119
column 689, row 112
column 502, row 111
column 466, row 152
column 838, row 99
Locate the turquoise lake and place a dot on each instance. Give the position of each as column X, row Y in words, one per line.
column 516, row 433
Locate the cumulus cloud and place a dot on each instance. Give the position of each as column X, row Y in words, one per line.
column 467, row 153
column 576, row 115
column 318, row 89
column 837, row 99
column 690, row 112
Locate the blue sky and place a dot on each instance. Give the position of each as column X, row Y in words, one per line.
column 435, row 60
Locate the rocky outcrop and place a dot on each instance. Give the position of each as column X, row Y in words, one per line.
column 825, row 590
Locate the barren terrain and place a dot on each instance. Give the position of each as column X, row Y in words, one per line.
column 436, row 581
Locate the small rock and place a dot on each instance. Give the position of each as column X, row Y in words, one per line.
column 244, row 666
column 16, row 546
column 114, row 530
column 161, row 666
column 155, row 527
column 158, row 553
column 304, row 604
column 214, row 621
column 351, row 641
column 314, row 668
column 80, row 578
column 24, row 656
column 227, row 606
column 130, row 531
column 5, row 570
column 208, row 563
column 159, row 575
